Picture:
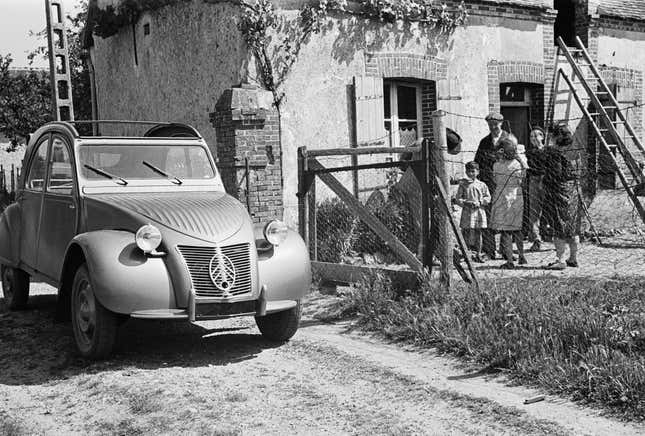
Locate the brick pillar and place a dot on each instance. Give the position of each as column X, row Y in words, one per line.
column 247, row 127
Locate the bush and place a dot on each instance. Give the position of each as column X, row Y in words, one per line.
column 335, row 232
column 340, row 233
column 577, row 337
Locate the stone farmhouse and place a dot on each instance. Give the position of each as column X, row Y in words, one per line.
column 359, row 81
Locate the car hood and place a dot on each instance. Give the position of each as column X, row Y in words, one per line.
column 212, row 216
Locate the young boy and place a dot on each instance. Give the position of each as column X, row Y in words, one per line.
column 472, row 196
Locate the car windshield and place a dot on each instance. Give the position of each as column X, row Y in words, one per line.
column 127, row 161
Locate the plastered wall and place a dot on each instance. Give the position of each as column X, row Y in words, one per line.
column 194, row 52
column 624, row 49
column 315, row 111
column 191, row 55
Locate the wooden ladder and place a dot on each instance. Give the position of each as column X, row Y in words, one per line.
column 59, row 74
column 598, row 96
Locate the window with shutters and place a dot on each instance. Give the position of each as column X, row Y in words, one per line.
column 388, row 112
column 402, row 112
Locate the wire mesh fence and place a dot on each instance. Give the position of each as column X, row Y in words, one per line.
column 550, row 211
column 390, row 194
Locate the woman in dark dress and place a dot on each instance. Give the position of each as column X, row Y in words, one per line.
column 562, row 208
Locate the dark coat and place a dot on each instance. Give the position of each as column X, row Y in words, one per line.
column 486, row 157
column 562, row 202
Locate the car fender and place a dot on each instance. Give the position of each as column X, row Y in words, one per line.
column 285, row 270
column 124, row 279
column 10, row 235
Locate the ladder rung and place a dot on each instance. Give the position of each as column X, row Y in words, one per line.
column 609, row 107
column 594, row 114
column 618, row 122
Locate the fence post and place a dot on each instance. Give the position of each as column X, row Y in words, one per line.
column 2, row 184
column 426, row 245
column 303, row 196
column 13, row 182
column 441, row 232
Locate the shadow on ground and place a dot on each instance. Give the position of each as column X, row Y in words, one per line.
column 36, row 349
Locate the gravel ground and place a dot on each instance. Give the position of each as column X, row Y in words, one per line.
column 222, row 378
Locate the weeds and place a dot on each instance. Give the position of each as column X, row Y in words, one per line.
column 10, row 426
column 340, row 233
column 578, row 337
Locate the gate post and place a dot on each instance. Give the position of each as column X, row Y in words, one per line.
column 441, row 232
column 303, row 196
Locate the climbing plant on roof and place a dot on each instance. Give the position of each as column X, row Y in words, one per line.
column 259, row 20
column 259, row 23
column 107, row 21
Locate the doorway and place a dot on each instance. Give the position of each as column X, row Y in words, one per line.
column 522, row 105
column 565, row 22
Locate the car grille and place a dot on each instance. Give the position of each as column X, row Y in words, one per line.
column 198, row 260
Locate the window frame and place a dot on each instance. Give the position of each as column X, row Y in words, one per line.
column 45, row 139
column 70, row 153
column 394, row 120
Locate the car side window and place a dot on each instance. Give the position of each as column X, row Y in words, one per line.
column 61, row 179
column 36, row 175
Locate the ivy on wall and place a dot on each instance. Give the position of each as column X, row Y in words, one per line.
column 259, row 21
column 107, row 22
column 260, row 18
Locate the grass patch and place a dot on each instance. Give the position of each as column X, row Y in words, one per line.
column 10, row 426
column 577, row 337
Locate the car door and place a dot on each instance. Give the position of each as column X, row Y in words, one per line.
column 59, row 216
column 30, row 201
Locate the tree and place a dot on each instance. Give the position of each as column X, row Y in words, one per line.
column 25, row 101
column 25, row 98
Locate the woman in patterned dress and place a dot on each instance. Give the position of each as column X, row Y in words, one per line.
column 562, row 202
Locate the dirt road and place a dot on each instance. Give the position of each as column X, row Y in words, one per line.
column 224, row 379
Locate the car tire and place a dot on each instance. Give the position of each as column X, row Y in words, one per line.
column 15, row 287
column 279, row 326
column 95, row 327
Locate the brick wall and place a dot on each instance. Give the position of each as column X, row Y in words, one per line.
column 401, row 64
column 248, row 145
column 428, row 105
column 508, row 72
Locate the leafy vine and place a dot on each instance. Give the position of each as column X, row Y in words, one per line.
column 107, row 22
column 260, row 18
column 259, row 21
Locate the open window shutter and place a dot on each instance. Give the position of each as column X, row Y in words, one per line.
column 370, row 128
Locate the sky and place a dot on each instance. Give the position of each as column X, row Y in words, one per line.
column 17, row 19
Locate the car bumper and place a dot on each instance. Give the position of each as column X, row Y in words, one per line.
column 202, row 309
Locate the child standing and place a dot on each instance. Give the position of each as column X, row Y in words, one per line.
column 508, row 204
column 473, row 196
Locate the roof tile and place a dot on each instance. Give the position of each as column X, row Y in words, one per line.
column 623, row 8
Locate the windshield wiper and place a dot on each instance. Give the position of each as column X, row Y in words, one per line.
column 170, row 177
column 117, row 179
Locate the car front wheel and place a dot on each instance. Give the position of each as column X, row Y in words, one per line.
column 15, row 287
column 279, row 326
column 94, row 326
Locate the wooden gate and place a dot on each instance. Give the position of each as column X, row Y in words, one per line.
column 428, row 165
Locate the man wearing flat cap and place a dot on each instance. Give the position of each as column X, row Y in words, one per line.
column 485, row 157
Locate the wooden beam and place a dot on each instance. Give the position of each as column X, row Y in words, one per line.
column 361, row 150
column 344, row 274
column 367, row 217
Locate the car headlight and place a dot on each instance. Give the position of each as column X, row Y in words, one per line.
column 275, row 232
column 148, row 238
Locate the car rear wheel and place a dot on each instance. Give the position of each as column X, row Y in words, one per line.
column 15, row 287
column 279, row 326
column 94, row 326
